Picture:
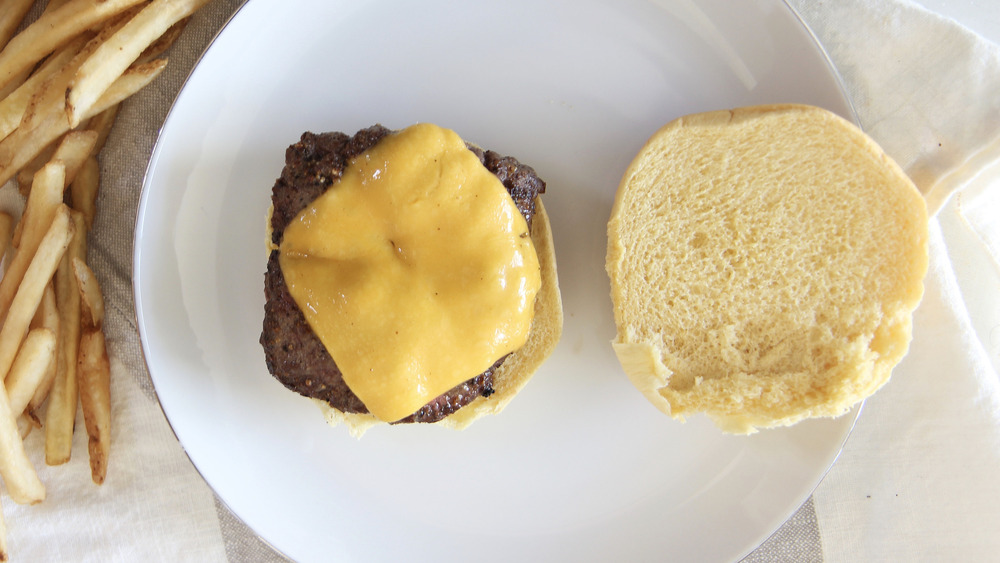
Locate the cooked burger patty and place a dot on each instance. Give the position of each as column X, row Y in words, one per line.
column 294, row 354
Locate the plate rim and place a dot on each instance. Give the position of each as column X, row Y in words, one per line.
column 139, row 225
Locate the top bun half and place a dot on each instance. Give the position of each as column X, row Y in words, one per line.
column 765, row 263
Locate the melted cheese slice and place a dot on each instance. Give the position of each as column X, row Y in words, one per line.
column 416, row 270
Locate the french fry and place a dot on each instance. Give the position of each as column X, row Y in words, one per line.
column 102, row 123
column 42, row 121
column 13, row 105
column 164, row 42
column 55, row 118
column 6, row 231
column 10, row 18
column 60, row 415
column 40, row 271
column 24, row 144
column 130, row 82
column 29, row 293
column 46, row 316
column 18, row 148
column 20, row 77
column 114, row 56
column 26, row 175
column 14, row 83
column 4, row 554
column 72, row 151
column 38, row 214
column 28, row 369
column 52, row 29
column 26, row 423
column 94, row 371
column 91, row 300
column 83, row 190
column 53, row 4
column 50, row 96
column 18, row 473
column 33, row 167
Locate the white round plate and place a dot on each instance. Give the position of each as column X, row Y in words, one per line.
column 579, row 467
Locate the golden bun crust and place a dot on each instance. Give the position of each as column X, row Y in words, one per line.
column 764, row 264
column 519, row 367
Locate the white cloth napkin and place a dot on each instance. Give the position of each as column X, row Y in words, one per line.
column 917, row 480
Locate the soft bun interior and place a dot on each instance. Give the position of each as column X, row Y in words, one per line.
column 764, row 263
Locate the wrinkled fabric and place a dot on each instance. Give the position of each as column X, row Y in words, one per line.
column 916, row 480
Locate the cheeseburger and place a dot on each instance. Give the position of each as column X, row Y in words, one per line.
column 411, row 277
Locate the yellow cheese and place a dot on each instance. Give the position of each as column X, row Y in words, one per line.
column 416, row 270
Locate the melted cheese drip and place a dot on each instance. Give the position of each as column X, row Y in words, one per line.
column 416, row 270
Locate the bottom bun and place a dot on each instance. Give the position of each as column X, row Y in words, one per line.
column 514, row 373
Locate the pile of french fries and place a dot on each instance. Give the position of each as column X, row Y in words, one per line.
column 62, row 78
